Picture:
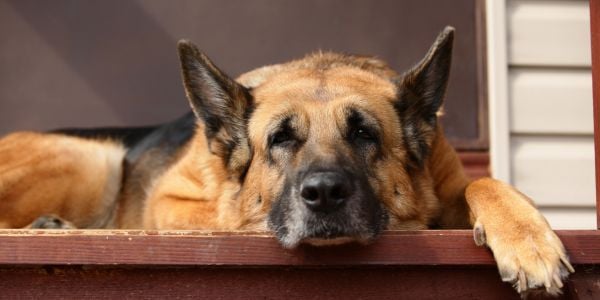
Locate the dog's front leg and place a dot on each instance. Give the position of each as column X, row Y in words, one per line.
column 527, row 251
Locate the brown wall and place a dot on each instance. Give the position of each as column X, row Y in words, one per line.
column 111, row 62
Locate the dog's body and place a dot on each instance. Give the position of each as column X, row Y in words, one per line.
column 327, row 149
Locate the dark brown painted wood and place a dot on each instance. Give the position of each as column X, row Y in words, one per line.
column 193, row 248
column 595, row 32
column 585, row 284
column 476, row 164
column 255, row 283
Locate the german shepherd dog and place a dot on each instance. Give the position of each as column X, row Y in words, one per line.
column 327, row 149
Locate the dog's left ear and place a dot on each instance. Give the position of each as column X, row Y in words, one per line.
column 220, row 104
column 421, row 92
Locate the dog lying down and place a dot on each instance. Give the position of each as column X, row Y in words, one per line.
column 327, row 149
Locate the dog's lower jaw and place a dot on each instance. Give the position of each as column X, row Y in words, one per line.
column 292, row 238
column 291, row 243
column 320, row 242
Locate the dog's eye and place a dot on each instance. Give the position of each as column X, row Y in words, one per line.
column 362, row 133
column 281, row 139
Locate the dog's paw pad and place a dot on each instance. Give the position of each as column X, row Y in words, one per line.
column 50, row 222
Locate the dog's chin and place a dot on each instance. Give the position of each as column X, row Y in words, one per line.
column 292, row 241
column 320, row 242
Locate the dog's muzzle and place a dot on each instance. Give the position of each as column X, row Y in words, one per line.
column 324, row 207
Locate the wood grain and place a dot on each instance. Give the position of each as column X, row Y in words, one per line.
column 193, row 248
column 476, row 163
column 254, row 283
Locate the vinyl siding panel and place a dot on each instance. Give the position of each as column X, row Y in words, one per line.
column 570, row 218
column 549, row 33
column 550, row 101
column 556, row 171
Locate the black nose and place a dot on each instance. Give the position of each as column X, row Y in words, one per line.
column 325, row 191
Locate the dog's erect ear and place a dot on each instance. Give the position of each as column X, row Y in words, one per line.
column 220, row 103
column 420, row 95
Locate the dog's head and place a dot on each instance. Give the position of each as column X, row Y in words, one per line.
column 326, row 149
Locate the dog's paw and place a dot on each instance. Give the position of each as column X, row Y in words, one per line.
column 529, row 255
column 50, row 222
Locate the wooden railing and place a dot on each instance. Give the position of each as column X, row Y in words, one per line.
column 435, row 264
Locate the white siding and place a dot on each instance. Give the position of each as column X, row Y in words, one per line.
column 555, row 171
column 570, row 218
column 561, row 100
column 550, row 99
column 549, row 33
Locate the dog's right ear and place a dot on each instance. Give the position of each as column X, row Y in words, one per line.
column 420, row 96
column 220, row 103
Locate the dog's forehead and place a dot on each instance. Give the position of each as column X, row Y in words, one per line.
column 318, row 97
column 323, row 85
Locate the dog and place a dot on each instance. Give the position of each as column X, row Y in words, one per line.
column 327, row 149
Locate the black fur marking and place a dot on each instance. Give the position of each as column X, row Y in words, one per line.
column 153, row 155
column 129, row 136
column 284, row 135
column 363, row 134
column 167, row 138
column 358, row 130
column 283, row 138
column 278, row 213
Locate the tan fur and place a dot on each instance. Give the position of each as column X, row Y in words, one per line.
column 193, row 194
column 52, row 174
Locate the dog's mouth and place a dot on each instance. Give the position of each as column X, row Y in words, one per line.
column 294, row 225
column 323, row 238
column 327, row 207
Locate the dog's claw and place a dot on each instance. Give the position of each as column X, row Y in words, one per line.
column 50, row 222
column 557, row 281
column 479, row 234
column 567, row 264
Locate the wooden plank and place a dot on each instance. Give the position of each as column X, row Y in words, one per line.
column 549, row 33
column 595, row 33
column 193, row 248
column 476, row 164
column 254, row 283
column 585, row 284
column 554, row 170
column 551, row 101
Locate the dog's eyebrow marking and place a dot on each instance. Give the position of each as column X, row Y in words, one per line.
column 357, row 117
column 283, row 121
column 283, row 126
